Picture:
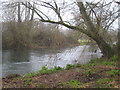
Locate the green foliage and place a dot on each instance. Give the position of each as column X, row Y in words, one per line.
column 108, row 63
column 84, row 42
column 74, row 83
column 27, row 81
column 86, row 66
column 57, row 68
column 89, row 72
column 47, row 71
column 91, row 64
column 71, row 83
column 44, row 70
column 104, row 80
column 69, row 66
column 40, row 85
column 77, row 65
column 31, row 74
column 114, row 58
column 104, row 83
column 95, row 61
column 114, row 72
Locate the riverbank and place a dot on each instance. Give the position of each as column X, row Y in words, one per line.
column 98, row 73
column 35, row 46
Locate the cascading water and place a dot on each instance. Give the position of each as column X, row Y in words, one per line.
column 24, row 61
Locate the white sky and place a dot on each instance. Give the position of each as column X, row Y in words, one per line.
column 66, row 16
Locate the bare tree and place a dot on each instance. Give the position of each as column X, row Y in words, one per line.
column 119, row 33
column 95, row 17
column 19, row 16
column 18, row 28
column 92, row 29
column 118, row 29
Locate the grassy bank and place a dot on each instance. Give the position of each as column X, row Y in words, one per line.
column 99, row 73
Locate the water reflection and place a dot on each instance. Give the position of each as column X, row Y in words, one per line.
column 24, row 61
column 11, row 56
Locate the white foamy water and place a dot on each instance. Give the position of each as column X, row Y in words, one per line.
column 22, row 62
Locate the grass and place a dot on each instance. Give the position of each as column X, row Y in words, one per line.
column 102, row 76
column 113, row 72
column 89, row 72
column 105, row 82
column 84, row 42
column 95, row 61
column 40, row 85
column 44, row 70
column 114, row 58
column 88, row 67
column 109, row 63
column 70, row 66
column 71, row 83
column 27, row 81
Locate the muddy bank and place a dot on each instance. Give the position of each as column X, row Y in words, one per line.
column 93, row 75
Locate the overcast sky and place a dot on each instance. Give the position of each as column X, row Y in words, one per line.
column 66, row 16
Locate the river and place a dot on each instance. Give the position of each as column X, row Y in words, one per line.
column 24, row 61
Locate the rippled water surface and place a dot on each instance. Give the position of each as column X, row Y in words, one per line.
column 24, row 61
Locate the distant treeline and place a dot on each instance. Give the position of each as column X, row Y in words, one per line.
column 35, row 35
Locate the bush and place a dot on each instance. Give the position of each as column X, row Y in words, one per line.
column 33, row 34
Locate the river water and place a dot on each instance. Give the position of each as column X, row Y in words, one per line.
column 24, row 61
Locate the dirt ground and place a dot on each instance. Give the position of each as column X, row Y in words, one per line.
column 55, row 80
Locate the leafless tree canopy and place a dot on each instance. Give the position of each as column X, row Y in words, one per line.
column 93, row 19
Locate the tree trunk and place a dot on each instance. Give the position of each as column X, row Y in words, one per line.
column 105, row 48
column 32, row 15
column 93, row 33
column 19, row 16
column 119, row 32
column 91, row 30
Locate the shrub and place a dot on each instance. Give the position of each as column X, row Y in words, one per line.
column 33, row 34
